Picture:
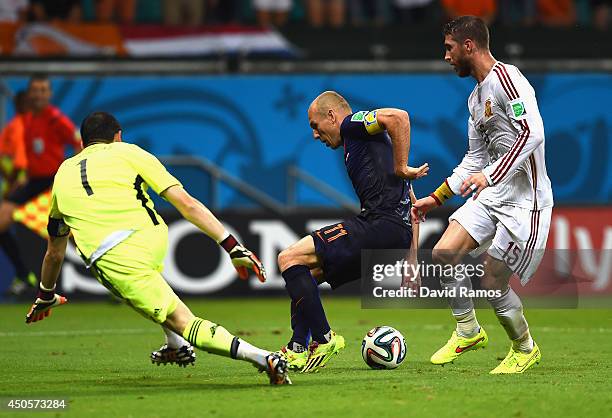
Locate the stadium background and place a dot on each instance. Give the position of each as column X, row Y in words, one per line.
column 224, row 105
column 222, row 101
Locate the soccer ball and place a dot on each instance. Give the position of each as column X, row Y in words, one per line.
column 383, row 348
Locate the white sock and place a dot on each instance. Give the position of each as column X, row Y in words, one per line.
column 524, row 343
column 467, row 324
column 251, row 354
column 173, row 339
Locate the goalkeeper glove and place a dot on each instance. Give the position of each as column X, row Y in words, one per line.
column 243, row 259
column 45, row 300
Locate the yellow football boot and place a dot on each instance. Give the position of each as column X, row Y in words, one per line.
column 458, row 345
column 295, row 361
column 518, row 362
column 319, row 354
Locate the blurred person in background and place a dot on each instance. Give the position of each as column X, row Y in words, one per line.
column 122, row 11
column 13, row 165
column 225, row 11
column 364, row 12
column 13, row 10
column 13, row 160
column 47, row 132
column 184, row 12
column 512, row 12
column 272, row 12
column 65, row 10
column 484, row 9
column 322, row 12
column 601, row 13
column 414, row 11
column 556, row 12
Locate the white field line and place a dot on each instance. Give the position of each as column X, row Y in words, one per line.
column 133, row 331
column 85, row 332
column 599, row 330
column 556, row 329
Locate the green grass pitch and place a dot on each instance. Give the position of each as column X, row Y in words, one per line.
column 96, row 355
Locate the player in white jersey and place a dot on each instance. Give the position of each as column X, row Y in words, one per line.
column 509, row 212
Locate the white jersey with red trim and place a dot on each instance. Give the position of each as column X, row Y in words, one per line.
column 506, row 142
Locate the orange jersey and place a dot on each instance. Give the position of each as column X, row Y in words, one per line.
column 12, row 142
column 46, row 136
column 473, row 7
column 557, row 9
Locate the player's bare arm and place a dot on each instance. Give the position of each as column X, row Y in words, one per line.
column 397, row 124
column 413, row 281
column 54, row 258
column 421, row 207
column 475, row 183
column 415, row 228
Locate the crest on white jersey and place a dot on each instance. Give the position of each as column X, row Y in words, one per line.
column 488, row 112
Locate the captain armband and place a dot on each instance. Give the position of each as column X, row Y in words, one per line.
column 442, row 193
column 57, row 228
column 370, row 121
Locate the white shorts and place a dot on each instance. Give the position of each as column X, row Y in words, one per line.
column 272, row 5
column 514, row 235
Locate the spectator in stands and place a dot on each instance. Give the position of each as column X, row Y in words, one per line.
column 366, row 11
column 121, row 11
column 414, row 11
column 13, row 10
column 184, row 12
column 556, row 12
column 46, row 10
column 601, row 13
column 322, row 12
column 485, row 9
column 223, row 11
column 272, row 12
column 522, row 12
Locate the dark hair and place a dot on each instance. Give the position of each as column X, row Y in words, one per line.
column 99, row 127
column 468, row 27
column 38, row 77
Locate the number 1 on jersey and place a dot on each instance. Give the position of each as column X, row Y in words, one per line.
column 84, row 181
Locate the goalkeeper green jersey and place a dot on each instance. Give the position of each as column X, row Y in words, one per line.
column 101, row 195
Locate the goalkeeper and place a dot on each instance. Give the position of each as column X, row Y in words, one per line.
column 100, row 194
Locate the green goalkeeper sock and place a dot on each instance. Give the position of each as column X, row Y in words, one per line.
column 215, row 339
column 211, row 337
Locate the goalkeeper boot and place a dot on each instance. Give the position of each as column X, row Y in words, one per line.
column 295, row 361
column 457, row 345
column 319, row 354
column 518, row 362
column 277, row 369
column 182, row 356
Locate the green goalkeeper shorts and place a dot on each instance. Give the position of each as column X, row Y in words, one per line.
column 132, row 271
